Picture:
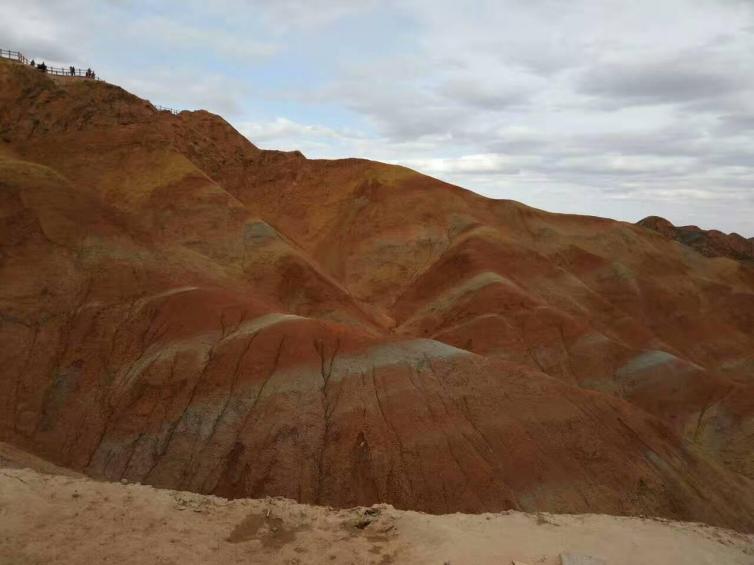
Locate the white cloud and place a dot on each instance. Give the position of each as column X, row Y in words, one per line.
column 166, row 31
column 283, row 128
column 481, row 164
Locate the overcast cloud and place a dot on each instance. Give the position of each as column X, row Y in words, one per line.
column 614, row 108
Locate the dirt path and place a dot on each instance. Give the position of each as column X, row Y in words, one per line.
column 63, row 519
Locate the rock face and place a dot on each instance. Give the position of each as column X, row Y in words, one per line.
column 711, row 243
column 183, row 309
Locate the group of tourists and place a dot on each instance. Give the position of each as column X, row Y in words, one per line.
column 71, row 70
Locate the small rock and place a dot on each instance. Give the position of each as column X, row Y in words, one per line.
column 124, row 481
column 580, row 559
column 361, row 524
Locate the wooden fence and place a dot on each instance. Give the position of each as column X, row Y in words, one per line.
column 63, row 72
column 57, row 71
column 166, row 109
column 14, row 55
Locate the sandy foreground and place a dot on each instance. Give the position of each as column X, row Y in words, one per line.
column 51, row 515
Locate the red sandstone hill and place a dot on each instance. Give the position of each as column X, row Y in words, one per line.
column 181, row 308
column 711, row 243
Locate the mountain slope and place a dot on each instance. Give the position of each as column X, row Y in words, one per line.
column 181, row 308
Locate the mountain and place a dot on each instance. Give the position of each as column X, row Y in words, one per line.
column 711, row 243
column 181, row 308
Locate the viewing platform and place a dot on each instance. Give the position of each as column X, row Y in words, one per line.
column 62, row 72
column 71, row 72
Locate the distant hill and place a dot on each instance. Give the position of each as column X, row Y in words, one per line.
column 711, row 243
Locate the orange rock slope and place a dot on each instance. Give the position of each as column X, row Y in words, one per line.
column 181, row 308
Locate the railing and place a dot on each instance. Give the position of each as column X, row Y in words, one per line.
column 56, row 71
column 14, row 55
column 166, row 109
column 59, row 71
column 63, row 72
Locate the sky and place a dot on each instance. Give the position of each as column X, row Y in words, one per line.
column 621, row 109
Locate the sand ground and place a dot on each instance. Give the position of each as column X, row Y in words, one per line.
column 49, row 518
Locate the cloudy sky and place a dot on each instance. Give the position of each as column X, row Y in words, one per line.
column 619, row 108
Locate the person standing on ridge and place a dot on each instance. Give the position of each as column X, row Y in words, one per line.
column 72, row 70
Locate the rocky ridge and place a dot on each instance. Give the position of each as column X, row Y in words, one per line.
column 710, row 243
